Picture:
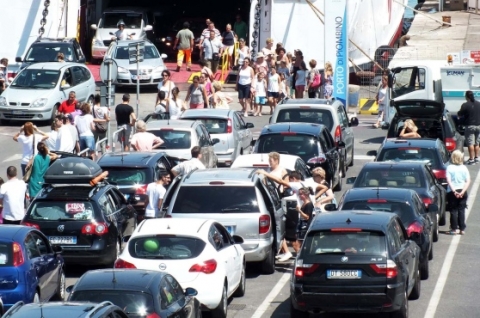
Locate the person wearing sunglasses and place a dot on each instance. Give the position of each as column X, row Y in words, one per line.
column 166, row 85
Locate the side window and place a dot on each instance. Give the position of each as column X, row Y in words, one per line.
column 225, row 236
column 106, row 204
column 78, row 76
column 393, row 240
column 177, row 289
column 399, row 230
column 42, row 245
column 31, row 247
column 116, row 204
column 408, row 80
column 206, row 133
column 241, row 121
column 86, row 73
column 329, row 144
column 160, row 165
column 444, row 154
column 214, row 237
column 430, row 177
column 419, row 204
column 236, row 122
column 167, row 294
column 118, row 197
column 272, row 190
column 342, row 117
column 301, row 169
column 202, row 140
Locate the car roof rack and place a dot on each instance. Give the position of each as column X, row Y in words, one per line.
column 97, row 308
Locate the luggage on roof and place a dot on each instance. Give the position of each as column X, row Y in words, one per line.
column 72, row 170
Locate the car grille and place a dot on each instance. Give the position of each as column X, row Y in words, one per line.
column 107, row 42
column 142, row 71
column 23, row 116
column 18, row 104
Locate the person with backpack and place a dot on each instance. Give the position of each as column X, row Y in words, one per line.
column 197, row 95
column 314, row 80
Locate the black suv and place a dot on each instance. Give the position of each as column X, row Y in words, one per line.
column 355, row 261
column 88, row 222
column 311, row 142
column 46, row 50
column 133, row 171
column 432, row 120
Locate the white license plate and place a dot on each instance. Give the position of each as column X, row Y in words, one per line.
column 63, row 239
column 344, row 274
column 17, row 112
column 140, row 77
column 229, row 229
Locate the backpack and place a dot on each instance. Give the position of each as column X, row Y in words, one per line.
column 317, row 81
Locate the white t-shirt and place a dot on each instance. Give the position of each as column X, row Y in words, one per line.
column 187, row 166
column 27, row 147
column 160, row 108
column 273, row 80
column 155, row 192
column 64, row 140
column 84, row 125
column 167, row 89
column 121, row 35
column 52, row 140
column 211, row 46
column 101, row 111
column 174, row 108
column 13, row 194
column 260, row 88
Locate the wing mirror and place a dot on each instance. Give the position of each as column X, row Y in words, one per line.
column 330, row 207
column 189, row 291
column 164, row 56
column 57, row 249
column 288, row 192
column 351, row 180
column 252, row 143
column 69, row 289
column 148, row 28
column 237, row 239
column 18, row 59
column 353, row 122
column 372, row 153
column 341, row 144
column 215, row 141
column 249, row 125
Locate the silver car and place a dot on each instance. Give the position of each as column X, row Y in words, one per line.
column 234, row 134
column 150, row 69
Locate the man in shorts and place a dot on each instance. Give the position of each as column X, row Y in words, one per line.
column 125, row 119
column 470, row 111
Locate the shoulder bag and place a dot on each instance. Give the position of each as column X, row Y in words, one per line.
column 99, row 127
column 215, row 56
column 29, row 167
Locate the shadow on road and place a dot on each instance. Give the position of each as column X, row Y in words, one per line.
column 375, row 140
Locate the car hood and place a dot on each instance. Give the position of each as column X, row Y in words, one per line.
column 416, row 108
column 26, row 95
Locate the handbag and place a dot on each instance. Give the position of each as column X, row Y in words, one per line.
column 99, row 127
column 29, row 168
column 215, row 56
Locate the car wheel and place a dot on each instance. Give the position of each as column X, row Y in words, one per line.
column 435, row 229
column 221, row 310
column 424, row 270
column 338, row 187
column 415, row 294
column 430, row 254
column 36, row 298
column 60, row 292
column 268, row 264
column 240, row 292
column 351, row 161
column 54, row 113
column 295, row 313
column 403, row 311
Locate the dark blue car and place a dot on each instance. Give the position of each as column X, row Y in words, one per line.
column 31, row 270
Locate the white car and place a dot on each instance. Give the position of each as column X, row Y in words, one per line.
column 200, row 253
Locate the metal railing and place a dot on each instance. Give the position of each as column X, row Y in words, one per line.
column 114, row 135
column 83, row 151
column 101, row 142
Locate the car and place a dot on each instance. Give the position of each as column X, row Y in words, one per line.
column 311, row 142
column 350, row 253
column 180, row 136
column 31, row 269
column 407, row 205
column 433, row 151
column 47, row 49
column 132, row 171
column 200, row 253
column 38, row 90
column 89, row 223
column 247, row 204
column 65, row 309
column 432, row 120
column 150, row 69
column 228, row 126
column 416, row 176
column 320, row 111
column 136, row 26
column 140, row 292
column 166, row 37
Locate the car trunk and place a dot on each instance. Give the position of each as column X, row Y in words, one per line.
column 415, row 108
column 9, row 276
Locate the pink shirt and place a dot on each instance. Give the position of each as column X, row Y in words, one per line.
column 144, row 141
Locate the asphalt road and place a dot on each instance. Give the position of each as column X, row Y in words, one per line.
column 449, row 292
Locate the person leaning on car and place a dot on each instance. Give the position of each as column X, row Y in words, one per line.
column 189, row 165
column 470, row 111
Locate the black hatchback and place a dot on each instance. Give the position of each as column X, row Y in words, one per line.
column 88, row 222
column 355, row 261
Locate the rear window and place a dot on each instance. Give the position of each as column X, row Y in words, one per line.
column 411, row 154
column 173, row 139
column 312, row 115
column 304, row 146
column 61, row 210
column 216, row 199
column 132, row 302
column 5, row 254
column 402, row 209
column 390, row 178
column 126, row 176
column 343, row 243
column 214, row 125
column 165, row 247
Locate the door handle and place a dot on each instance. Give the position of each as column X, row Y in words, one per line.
column 406, row 261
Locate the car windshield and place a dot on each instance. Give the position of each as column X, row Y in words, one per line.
column 48, row 53
column 36, row 79
column 411, row 154
column 328, row 242
column 390, row 178
column 5, row 254
column 128, row 176
column 214, row 125
column 403, row 209
column 150, row 52
column 132, row 302
column 174, row 139
column 165, row 247
column 61, row 210
column 131, row 20
column 216, row 199
column 310, row 115
column 304, row 146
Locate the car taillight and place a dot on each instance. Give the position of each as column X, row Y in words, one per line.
column 95, row 228
column 415, row 227
column 440, row 175
column 427, row 201
column 153, row 315
column 450, row 144
column 338, row 135
column 305, row 269
column 377, row 201
column 120, row 263
column 263, row 224
column 141, row 189
column 229, row 126
column 36, row 226
column 18, row 258
column 317, row 160
column 206, row 267
column 390, row 269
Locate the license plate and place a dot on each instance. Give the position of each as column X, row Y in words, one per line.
column 344, row 274
column 63, row 239
column 17, row 112
column 229, row 229
column 140, row 77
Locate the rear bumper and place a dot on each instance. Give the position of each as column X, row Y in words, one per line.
column 12, row 296
column 257, row 250
column 99, row 253
column 225, row 160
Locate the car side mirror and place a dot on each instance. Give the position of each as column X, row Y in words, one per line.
column 69, row 289
column 164, row 56
column 237, row 239
column 18, row 59
column 341, row 144
column 126, row 238
column 148, row 28
column 93, row 27
column 353, row 122
column 351, row 180
column 432, row 208
column 372, row 153
column 252, row 143
column 330, row 207
column 215, row 141
column 249, row 125
column 189, row 291
column 57, row 249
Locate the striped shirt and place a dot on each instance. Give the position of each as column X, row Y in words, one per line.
column 206, row 33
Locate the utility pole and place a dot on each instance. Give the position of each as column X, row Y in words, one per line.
column 136, row 51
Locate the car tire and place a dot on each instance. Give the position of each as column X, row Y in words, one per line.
column 435, row 229
column 221, row 310
column 338, row 187
column 295, row 313
column 60, row 292
column 54, row 113
column 351, row 162
column 442, row 220
column 240, row 292
column 430, row 254
column 268, row 264
column 424, row 270
column 415, row 294
column 403, row 311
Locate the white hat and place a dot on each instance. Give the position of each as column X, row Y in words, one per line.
column 260, row 54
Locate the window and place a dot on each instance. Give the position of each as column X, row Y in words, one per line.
column 342, row 116
column 303, row 169
column 116, row 203
column 106, row 204
column 329, row 143
column 304, row 146
column 410, row 154
column 236, row 122
column 215, row 125
column 202, row 138
column 224, row 234
column 407, row 178
column 177, row 289
column 241, row 121
column 31, row 247
column 167, row 294
column 403, row 209
column 32, row 78
column 408, row 80
column 42, row 245
column 132, row 20
column 306, row 115
column 129, row 176
column 393, row 240
column 444, row 154
column 77, row 73
column 215, row 238
column 399, row 228
column 165, row 247
column 134, row 302
column 61, row 210
column 86, row 74
column 173, row 139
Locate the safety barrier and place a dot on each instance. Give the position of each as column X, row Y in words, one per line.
column 225, row 66
column 83, row 151
column 103, row 144
column 114, row 135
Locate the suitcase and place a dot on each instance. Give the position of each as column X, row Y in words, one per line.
column 72, row 170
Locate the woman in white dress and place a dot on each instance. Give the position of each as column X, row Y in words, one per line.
column 166, row 85
column 175, row 105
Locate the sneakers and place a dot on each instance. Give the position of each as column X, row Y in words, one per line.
column 470, row 162
column 285, row 257
column 279, row 256
column 476, row 159
column 462, row 232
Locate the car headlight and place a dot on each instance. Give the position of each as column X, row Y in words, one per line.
column 3, row 101
column 158, row 69
column 40, row 102
column 97, row 42
column 122, row 70
column 167, row 39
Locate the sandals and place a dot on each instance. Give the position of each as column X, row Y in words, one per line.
column 452, row 232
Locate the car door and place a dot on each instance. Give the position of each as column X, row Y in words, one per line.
column 126, row 215
column 89, row 82
column 80, row 85
column 38, row 269
column 230, row 255
column 169, row 299
column 211, row 146
column 49, row 262
column 167, row 199
column 272, row 199
column 347, row 132
column 409, row 257
column 244, row 134
column 303, row 169
column 204, row 145
column 332, row 162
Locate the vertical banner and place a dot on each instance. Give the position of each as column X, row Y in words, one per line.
column 336, row 46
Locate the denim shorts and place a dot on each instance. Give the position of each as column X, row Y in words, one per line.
column 244, row 91
column 260, row 100
column 87, row 142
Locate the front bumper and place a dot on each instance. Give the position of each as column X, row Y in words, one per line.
column 127, row 79
column 22, row 114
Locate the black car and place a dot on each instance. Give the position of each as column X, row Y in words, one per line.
column 89, row 222
column 46, row 50
column 416, row 176
column 432, row 151
column 132, row 172
column 311, row 142
column 432, row 120
column 407, row 205
column 65, row 309
column 139, row 292
column 355, row 261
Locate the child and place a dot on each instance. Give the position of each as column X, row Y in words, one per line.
column 260, row 93
column 283, row 87
column 1, row 204
column 273, row 83
column 328, row 88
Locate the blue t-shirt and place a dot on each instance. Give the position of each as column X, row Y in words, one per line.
column 458, row 175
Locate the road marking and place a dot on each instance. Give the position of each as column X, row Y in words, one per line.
column 15, row 157
column 264, row 306
column 447, row 263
